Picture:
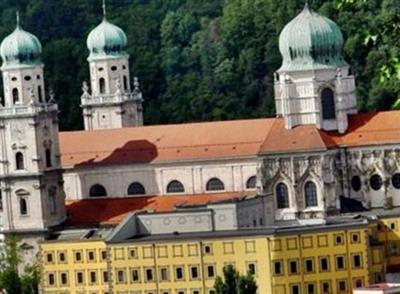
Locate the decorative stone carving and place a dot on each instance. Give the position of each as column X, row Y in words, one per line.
column 85, row 90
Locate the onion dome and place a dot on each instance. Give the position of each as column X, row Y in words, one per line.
column 106, row 40
column 20, row 48
column 311, row 41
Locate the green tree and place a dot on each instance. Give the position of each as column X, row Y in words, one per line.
column 234, row 283
column 11, row 280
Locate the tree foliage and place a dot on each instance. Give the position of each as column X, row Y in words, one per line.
column 11, row 280
column 234, row 283
column 207, row 59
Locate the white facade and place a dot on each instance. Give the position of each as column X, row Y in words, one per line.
column 112, row 103
column 234, row 174
column 299, row 96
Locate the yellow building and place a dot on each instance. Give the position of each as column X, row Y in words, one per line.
column 318, row 259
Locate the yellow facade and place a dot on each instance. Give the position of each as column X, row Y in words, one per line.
column 189, row 266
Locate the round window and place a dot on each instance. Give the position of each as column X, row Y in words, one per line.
column 14, row 79
column 113, row 68
column 396, row 181
column 376, row 182
column 100, row 69
column 356, row 183
column 27, row 78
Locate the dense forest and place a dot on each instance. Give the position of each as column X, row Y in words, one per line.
column 206, row 59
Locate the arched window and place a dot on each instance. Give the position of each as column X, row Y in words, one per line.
column 251, row 183
column 396, row 181
column 282, row 196
column 310, row 192
column 15, row 95
column 125, row 83
column 97, row 191
column 40, row 94
column 19, row 161
column 215, row 184
column 48, row 157
column 136, row 189
column 1, row 201
column 102, row 85
column 328, row 104
column 175, row 187
column 356, row 183
column 23, row 206
column 376, row 182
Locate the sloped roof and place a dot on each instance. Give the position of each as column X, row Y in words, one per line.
column 300, row 138
column 164, row 142
column 110, row 211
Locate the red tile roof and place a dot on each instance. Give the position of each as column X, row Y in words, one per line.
column 222, row 139
column 164, row 143
column 112, row 210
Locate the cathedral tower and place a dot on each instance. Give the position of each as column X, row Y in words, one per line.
column 112, row 102
column 314, row 84
column 31, row 183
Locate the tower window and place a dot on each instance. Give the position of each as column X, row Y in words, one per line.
column 14, row 79
column 40, row 94
column 310, row 191
column 1, row 201
column 23, row 206
column 282, row 196
column 27, row 78
column 215, row 184
column 125, row 83
column 102, row 85
column 48, row 157
column 52, row 200
column 113, row 68
column 175, row 187
column 97, row 191
column 251, row 182
column 136, row 189
column 396, row 181
column 15, row 95
column 328, row 104
column 19, row 161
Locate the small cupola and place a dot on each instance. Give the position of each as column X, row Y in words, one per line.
column 20, row 49
column 311, row 41
column 106, row 40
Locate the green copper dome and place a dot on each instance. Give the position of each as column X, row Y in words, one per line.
column 311, row 41
column 106, row 40
column 20, row 48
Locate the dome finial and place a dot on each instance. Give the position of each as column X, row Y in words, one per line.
column 18, row 20
column 104, row 9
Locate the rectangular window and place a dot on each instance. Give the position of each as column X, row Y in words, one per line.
column 293, row 268
column 295, row 289
column 194, row 272
column 120, row 276
column 310, row 288
column 164, row 274
column 135, row 275
column 309, row 265
column 79, row 277
column 251, row 268
column 210, row 271
column 355, row 238
column 326, row 287
column 78, row 256
column 278, row 268
column 103, row 254
column 105, row 277
column 93, row 277
column 49, row 257
column 179, row 273
column 340, row 263
column 207, row 249
column 149, row 274
column 61, row 257
column 338, row 239
column 51, row 279
column 356, row 261
column 64, row 278
column 91, row 256
column 324, row 264
column 342, row 286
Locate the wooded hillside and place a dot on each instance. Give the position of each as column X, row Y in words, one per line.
column 206, row 59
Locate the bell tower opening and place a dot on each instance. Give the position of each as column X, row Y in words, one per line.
column 328, row 104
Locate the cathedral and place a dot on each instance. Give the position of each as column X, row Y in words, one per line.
column 314, row 159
